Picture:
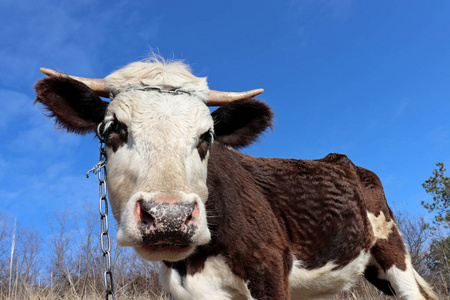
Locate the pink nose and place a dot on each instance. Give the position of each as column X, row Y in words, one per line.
column 169, row 222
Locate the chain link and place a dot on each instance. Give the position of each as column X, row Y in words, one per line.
column 105, row 239
column 152, row 88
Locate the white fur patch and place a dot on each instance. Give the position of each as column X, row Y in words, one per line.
column 157, row 72
column 380, row 226
column 324, row 282
column 214, row 282
column 405, row 283
column 425, row 286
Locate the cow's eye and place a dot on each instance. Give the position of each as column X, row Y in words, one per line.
column 115, row 126
column 115, row 134
column 204, row 144
column 111, row 125
column 206, row 137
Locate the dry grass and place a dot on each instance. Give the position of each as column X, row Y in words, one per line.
column 362, row 290
column 132, row 291
column 89, row 290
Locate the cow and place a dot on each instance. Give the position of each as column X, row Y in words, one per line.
column 227, row 225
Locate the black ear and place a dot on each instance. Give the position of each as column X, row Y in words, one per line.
column 74, row 105
column 239, row 123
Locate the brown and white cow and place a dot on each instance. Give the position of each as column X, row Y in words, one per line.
column 229, row 225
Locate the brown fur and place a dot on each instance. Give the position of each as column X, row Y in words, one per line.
column 239, row 123
column 260, row 218
column 74, row 105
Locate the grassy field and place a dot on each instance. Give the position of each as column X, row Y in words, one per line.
column 149, row 289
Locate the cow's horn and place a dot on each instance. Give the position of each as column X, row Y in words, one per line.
column 217, row 98
column 96, row 84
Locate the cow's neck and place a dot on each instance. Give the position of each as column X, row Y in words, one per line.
column 236, row 191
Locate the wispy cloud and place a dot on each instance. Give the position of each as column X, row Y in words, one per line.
column 66, row 35
column 17, row 108
column 401, row 107
column 24, row 130
column 439, row 136
column 36, row 162
column 306, row 16
column 330, row 10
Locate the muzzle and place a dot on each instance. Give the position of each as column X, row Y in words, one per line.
column 166, row 223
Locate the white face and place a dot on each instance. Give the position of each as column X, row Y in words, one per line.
column 156, row 147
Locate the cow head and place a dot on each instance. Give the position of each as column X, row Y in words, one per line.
column 158, row 131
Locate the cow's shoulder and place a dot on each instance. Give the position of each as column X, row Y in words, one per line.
column 367, row 178
column 336, row 158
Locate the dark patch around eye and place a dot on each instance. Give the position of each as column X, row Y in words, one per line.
column 116, row 135
column 204, row 144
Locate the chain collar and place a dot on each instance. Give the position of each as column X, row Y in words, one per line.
column 150, row 89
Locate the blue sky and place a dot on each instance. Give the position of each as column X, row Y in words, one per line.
column 370, row 79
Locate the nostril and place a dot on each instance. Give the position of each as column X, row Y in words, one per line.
column 189, row 219
column 147, row 218
column 193, row 215
column 143, row 216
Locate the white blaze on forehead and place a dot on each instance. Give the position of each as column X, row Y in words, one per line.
column 163, row 133
column 156, row 72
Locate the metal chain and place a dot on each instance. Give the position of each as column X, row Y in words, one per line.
column 152, row 88
column 105, row 239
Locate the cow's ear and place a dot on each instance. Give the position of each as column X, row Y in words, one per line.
column 239, row 123
column 74, row 105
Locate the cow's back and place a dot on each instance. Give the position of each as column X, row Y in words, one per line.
column 321, row 204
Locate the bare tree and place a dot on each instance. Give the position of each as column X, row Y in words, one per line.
column 5, row 246
column 59, row 244
column 87, row 253
column 417, row 234
column 29, row 247
column 19, row 258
